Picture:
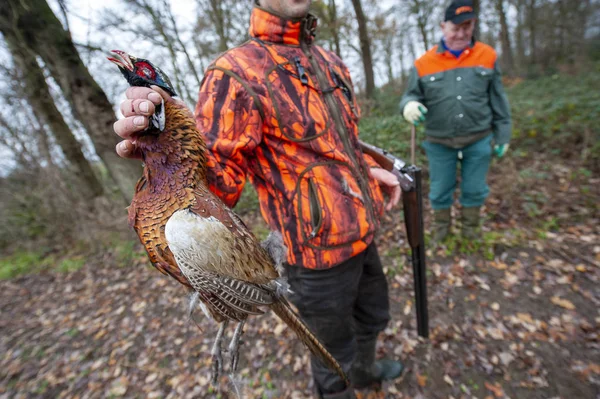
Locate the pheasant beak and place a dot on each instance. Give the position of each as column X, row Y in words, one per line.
column 121, row 59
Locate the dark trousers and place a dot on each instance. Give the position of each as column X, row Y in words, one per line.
column 342, row 305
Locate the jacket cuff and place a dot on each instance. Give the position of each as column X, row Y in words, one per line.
column 371, row 162
column 502, row 135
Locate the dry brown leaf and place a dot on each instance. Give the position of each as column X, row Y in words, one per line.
column 563, row 303
column 407, row 307
column 421, row 380
column 495, row 388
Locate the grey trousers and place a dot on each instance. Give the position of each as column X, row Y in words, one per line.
column 342, row 305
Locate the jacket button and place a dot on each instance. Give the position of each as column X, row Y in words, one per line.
column 459, row 78
column 459, row 97
column 432, row 78
column 460, row 115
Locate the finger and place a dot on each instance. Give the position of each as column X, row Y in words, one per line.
column 422, row 118
column 144, row 93
column 166, row 96
column 137, row 107
column 416, row 123
column 395, row 196
column 126, row 149
column 126, row 127
column 422, row 109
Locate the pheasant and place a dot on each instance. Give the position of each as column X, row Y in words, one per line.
column 191, row 235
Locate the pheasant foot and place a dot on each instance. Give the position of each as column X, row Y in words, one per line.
column 217, row 357
column 234, row 345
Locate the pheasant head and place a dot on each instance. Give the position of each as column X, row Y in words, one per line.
column 172, row 143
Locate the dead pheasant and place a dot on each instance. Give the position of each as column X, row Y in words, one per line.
column 190, row 234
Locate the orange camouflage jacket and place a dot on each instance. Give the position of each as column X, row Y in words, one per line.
column 282, row 112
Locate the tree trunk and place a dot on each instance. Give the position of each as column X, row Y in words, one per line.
column 477, row 30
column 38, row 96
column 218, row 19
column 365, row 48
column 531, row 21
column 507, row 56
column 33, row 22
column 420, row 10
column 519, row 33
column 401, row 36
column 335, row 31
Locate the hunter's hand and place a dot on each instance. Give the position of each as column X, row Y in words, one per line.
column 500, row 150
column 137, row 109
column 414, row 112
column 389, row 180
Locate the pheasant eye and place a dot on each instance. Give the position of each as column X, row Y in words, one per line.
column 145, row 71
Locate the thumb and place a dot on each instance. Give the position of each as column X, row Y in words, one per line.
column 166, row 96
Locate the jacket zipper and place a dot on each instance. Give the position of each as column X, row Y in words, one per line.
column 340, row 127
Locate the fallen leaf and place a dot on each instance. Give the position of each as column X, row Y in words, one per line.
column 448, row 380
column 421, row 380
column 563, row 303
column 495, row 388
column 407, row 307
column 279, row 329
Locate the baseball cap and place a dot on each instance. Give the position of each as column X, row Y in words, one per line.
column 459, row 11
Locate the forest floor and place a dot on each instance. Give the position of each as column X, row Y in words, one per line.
column 515, row 315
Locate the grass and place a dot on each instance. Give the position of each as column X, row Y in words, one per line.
column 20, row 263
column 26, row 262
column 486, row 247
column 33, row 261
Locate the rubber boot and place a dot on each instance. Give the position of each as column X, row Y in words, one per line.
column 470, row 222
column 442, row 220
column 347, row 394
column 367, row 372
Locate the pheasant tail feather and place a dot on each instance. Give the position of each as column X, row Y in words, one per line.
column 282, row 309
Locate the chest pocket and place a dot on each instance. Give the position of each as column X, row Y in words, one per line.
column 433, row 87
column 481, row 81
column 299, row 109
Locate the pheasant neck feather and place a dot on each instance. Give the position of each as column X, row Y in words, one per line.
column 174, row 167
column 175, row 156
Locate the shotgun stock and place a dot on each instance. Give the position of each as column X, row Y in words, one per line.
column 412, row 200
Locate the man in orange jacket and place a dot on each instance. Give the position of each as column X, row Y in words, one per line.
column 282, row 112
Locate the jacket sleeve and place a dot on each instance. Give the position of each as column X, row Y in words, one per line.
column 231, row 124
column 501, row 120
column 414, row 91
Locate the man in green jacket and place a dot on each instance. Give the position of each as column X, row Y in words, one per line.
column 456, row 90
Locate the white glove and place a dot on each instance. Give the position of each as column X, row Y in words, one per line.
column 414, row 112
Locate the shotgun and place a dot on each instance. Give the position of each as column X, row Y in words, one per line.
column 412, row 199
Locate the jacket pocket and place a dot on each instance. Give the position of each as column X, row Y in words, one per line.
column 330, row 207
column 481, row 81
column 434, row 87
column 316, row 212
column 345, row 94
column 299, row 110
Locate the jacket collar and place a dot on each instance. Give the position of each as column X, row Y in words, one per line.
column 266, row 26
column 441, row 48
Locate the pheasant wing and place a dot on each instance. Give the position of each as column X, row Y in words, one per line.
column 218, row 255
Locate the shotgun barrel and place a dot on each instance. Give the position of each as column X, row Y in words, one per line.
column 410, row 178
